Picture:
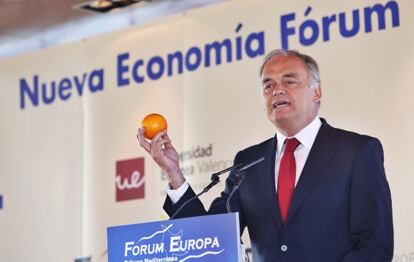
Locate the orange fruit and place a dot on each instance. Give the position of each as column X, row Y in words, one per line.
column 153, row 123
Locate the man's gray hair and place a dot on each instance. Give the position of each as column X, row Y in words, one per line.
column 309, row 62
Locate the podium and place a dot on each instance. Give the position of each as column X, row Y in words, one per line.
column 204, row 238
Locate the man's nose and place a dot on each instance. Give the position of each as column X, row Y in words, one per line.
column 278, row 90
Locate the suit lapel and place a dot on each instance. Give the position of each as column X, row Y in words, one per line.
column 323, row 149
column 267, row 182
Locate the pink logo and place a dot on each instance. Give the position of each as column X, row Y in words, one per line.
column 129, row 181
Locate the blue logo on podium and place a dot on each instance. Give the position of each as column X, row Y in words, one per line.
column 205, row 238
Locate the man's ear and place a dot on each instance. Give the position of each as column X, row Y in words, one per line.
column 317, row 94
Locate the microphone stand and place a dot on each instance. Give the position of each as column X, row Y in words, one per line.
column 240, row 176
column 239, row 179
column 215, row 179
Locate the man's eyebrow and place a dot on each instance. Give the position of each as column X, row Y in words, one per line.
column 291, row 75
column 267, row 79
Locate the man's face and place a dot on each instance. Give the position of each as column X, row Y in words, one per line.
column 289, row 102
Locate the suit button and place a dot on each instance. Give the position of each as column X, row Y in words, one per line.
column 283, row 248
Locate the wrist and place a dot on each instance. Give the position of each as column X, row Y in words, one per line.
column 176, row 179
column 176, row 183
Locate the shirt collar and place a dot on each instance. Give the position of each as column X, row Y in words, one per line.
column 306, row 136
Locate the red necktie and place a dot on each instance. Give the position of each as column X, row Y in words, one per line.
column 286, row 177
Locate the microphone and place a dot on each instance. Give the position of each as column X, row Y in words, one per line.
column 239, row 179
column 215, row 179
column 216, row 175
column 250, row 164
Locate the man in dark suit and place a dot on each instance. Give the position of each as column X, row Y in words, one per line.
column 320, row 195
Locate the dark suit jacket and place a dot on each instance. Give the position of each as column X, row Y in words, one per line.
column 341, row 208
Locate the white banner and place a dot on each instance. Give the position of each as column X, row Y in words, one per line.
column 70, row 164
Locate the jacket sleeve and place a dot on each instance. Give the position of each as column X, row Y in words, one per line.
column 370, row 207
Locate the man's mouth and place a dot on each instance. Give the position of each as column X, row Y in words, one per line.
column 280, row 104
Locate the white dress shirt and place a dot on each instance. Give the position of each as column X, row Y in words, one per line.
column 306, row 138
